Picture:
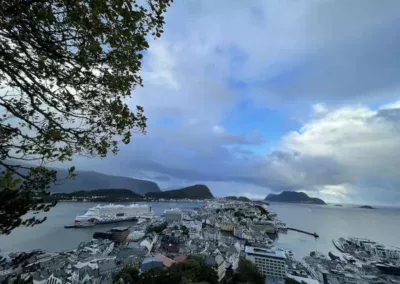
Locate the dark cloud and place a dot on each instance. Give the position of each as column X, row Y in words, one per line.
column 270, row 52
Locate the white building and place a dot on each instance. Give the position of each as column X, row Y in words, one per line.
column 243, row 233
column 269, row 262
column 173, row 215
column 382, row 251
column 218, row 263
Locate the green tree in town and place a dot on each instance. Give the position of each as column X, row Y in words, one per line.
column 127, row 275
column 66, row 70
column 247, row 273
column 293, row 281
column 192, row 270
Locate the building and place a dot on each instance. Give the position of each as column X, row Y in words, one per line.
column 228, row 226
column 119, row 234
column 218, row 263
column 170, row 244
column 269, row 262
column 242, row 233
column 149, row 263
column 167, row 262
column 211, row 234
column 173, row 215
column 382, row 251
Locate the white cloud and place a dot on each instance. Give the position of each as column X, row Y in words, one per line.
column 285, row 53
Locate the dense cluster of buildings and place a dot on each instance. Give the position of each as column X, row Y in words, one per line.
column 221, row 232
column 217, row 232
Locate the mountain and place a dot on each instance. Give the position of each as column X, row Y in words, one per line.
column 86, row 180
column 198, row 191
column 89, row 180
column 294, row 197
column 366, row 207
column 240, row 198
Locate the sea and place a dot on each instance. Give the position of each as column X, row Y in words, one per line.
column 328, row 221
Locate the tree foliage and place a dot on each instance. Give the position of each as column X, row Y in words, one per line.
column 158, row 229
column 66, row 70
column 293, row 281
column 192, row 270
column 247, row 273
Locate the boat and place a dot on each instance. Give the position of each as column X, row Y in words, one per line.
column 112, row 213
column 333, row 257
column 349, row 258
column 388, row 268
column 80, row 225
column 338, row 244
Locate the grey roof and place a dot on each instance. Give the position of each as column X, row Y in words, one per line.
column 210, row 260
column 265, row 252
column 106, row 264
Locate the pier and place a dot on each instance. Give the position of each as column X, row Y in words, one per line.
column 315, row 235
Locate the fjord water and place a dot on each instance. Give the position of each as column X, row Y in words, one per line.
column 52, row 236
column 330, row 222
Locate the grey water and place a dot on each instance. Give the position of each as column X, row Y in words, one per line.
column 52, row 236
column 330, row 222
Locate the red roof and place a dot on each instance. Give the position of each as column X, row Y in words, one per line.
column 180, row 258
column 165, row 260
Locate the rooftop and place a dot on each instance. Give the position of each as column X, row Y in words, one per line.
column 120, row 229
column 265, row 252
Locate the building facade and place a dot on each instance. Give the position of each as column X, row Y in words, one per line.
column 173, row 215
column 269, row 262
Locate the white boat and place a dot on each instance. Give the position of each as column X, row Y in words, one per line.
column 115, row 213
column 349, row 258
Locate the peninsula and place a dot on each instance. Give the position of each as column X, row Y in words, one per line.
column 198, row 191
column 293, row 197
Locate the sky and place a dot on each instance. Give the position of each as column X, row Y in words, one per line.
column 257, row 97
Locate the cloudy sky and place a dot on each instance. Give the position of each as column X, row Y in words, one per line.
column 254, row 97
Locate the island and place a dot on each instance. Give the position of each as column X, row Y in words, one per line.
column 198, row 191
column 240, row 198
column 367, row 207
column 294, row 197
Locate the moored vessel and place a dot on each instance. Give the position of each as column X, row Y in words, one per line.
column 112, row 213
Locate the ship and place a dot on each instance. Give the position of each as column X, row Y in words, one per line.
column 349, row 258
column 112, row 213
column 333, row 256
column 339, row 244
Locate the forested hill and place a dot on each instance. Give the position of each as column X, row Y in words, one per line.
column 198, row 191
column 293, row 197
column 86, row 180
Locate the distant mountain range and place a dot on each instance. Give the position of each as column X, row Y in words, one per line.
column 240, row 198
column 198, row 191
column 293, row 197
column 90, row 180
column 87, row 180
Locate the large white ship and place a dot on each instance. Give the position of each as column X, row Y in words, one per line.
column 114, row 213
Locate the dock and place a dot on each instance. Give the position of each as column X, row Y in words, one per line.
column 315, row 235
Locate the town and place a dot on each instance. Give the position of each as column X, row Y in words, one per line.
column 221, row 233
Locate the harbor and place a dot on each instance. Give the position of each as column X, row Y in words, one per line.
column 315, row 235
column 221, row 224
